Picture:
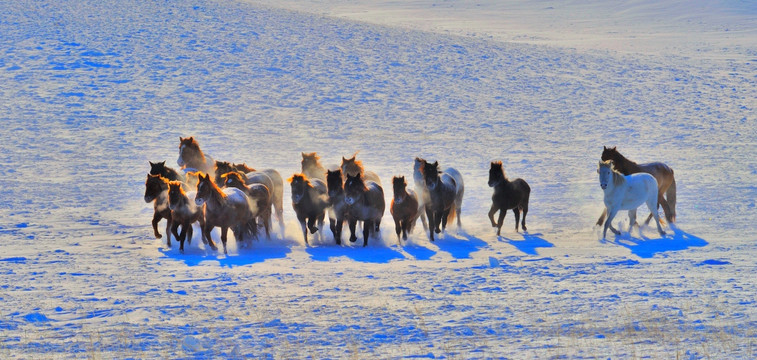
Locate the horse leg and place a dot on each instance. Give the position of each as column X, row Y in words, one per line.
column 670, row 198
column 174, row 228
column 632, row 221
column 516, row 212
column 423, row 219
column 602, row 217
column 492, row 211
column 501, row 219
column 169, row 223
column 304, row 227
column 398, row 228
column 334, row 232
column 608, row 221
column 524, row 209
column 320, row 226
column 445, row 215
column 650, row 205
column 224, row 234
column 352, row 223
column 430, row 216
column 311, row 224
column 367, row 226
column 206, row 231
column 183, row 236
column 155, row 220
column 190, row 232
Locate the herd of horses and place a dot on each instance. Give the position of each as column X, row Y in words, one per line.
column 237, row 197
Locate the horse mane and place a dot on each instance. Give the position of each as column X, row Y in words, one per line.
column 354, row 161
column 617, row 177
column 498, row 165
column 157, row 177
column 616, row 155
column 242, row 167
column 177, row 184
column 212, row 183
column 232, row 174
column 299, row 176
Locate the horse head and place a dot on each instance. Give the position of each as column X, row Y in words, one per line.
column 399, row 185
column 609, row 153
column 175, row 194
column 233, row 179
column 334, row 182
column 606, row 174
column 352, row 166
column 242, row 168
column 496, row 173
column 430, row 174
column 154, row 185
column 309, row 160
column 204, row 188
column 300, row 184
column 189, row 151
column 158, row 168
column 354, row 188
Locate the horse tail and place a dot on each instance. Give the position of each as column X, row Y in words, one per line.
column 670, row 196
column 452, row 214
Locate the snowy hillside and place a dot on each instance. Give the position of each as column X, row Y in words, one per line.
column 93, row 90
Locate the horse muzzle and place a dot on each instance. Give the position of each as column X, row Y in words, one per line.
column 296, row 199
column 149, row 199
column 603, row 186
column 349, row 200
column 199, row 201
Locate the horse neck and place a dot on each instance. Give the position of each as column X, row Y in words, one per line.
column 618, row 180
column 624, row 165
column 217, row 196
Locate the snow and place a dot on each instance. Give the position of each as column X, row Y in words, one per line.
column 93, row 90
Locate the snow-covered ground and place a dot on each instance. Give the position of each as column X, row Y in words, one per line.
column 93, row 90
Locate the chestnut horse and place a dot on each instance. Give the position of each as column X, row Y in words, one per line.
column 227, row 208
column 507, row 195
column 184, row 212
column 404, row 208
column 666, row 182
column 258, row 193
column 365, row 202
column 312, row 167
column 354, row 167
column 338, row 207
column 309, row 200
column 156, row 189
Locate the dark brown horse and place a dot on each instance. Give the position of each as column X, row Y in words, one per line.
column 312, row 167
column 365, row 202
column 404, row 208
column 223, row 167
column 507, row 195
column 258, row 193
column 184, row 212
column 338, row 207
column 443, row 193
column 227, row 208
column 156, row 189
column 268, row 177
column 160, row 168
column 666, row 182
column 309, row 200
column 192, row 158
column 354, row 167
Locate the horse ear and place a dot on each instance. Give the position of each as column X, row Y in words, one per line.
column 614, row 147
column 163, row 163
column 604, row 147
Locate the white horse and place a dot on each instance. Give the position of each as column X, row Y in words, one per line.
column 627, row 193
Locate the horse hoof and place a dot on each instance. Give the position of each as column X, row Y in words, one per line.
column 313, row 230
column 158, row 236
column 438, row 231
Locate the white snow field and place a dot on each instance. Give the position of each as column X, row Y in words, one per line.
column 90, row 91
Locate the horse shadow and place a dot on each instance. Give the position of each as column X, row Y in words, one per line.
column 529, row 244
column 647, row 248
column 256, row 254
column 460, row 247
column 376, row 255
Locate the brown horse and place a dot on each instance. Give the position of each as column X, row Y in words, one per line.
column 224, row 167
column 404, row 208
column 309, row 200
column 192, row 158
column 312, row 167
column 258, row 193
column 227, row 208
column 443, row 192
column 184, row 212
column 507, row 195
column 268, row 177
column 365, row 202
column 354, row 167
column 156, row 189
column 666, row 182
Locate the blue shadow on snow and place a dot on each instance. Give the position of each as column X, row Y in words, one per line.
column 459, row 248
column 248, row 256
column 529, row 243
column 377, row 254
column 647, row 248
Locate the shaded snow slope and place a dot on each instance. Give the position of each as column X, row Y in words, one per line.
column 92, row 90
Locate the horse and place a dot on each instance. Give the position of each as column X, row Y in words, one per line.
column 191, row 158
column 312, row 167
column 354, row 167
column 507, row 195
column 627, row 192
column 192, row 178
column 666, row 182
column 365, row 202
column 268, row 177
column 338, row 207
column 160, row 168
column 227, row 208
column 259, row 193
column 156, row 189
column 184, row 212
column 445, row 196
column 404, row 208
column 309, row 200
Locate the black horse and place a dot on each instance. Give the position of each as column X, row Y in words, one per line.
column 365, row 202
column 160, row 168
column 338, row 211
column 507, row 195
column 309, row 201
